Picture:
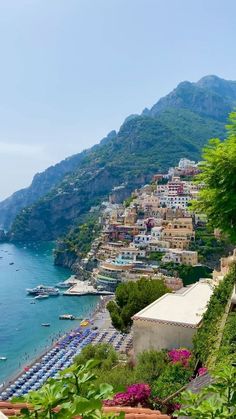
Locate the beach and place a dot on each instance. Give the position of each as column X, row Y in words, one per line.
column 22, row 337
column 63, row 351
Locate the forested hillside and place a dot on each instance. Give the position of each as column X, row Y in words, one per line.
column 176, row 126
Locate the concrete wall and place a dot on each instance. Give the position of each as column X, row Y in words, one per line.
column 149, row 335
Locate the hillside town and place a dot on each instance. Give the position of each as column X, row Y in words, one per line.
column 141, row 238
column 153, row 227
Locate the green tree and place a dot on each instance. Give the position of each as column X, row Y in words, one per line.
column 217, row 199
column 102, row 352
column 131, row 297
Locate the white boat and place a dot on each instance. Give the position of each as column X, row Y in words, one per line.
column 43, row 289
column 67, row 317
column 41, row 296
column 3, row 358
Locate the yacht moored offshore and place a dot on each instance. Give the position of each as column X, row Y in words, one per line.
column 43, row 289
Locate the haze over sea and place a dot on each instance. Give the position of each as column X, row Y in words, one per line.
column 22, row 338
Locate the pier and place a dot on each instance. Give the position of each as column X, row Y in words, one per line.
column 83, row 288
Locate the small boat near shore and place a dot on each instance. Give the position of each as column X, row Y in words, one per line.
column 67, row 317
column 41, row 296
column 45, row 324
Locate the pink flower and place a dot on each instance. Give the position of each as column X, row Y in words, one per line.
column 202, row 371
column 135, row 394
column 181, row 355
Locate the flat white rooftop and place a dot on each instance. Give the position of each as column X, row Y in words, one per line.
column 186, row 308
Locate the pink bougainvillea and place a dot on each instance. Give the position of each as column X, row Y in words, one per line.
column 181, row 355
column 136, row 394
column 202, row 371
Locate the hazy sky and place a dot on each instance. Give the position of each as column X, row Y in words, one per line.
column 72, row 70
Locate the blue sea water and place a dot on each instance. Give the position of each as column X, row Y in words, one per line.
column 22, row 338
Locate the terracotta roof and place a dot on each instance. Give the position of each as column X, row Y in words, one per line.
column 9, row 409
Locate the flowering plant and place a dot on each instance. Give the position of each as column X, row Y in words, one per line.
column 202, row 371
column 181, row 355
column 136, row 394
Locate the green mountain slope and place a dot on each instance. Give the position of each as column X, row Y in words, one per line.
column 177, row 126
column 210, row 96
column 41, row 184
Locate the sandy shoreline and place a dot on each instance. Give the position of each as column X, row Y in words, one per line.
column 99, row 318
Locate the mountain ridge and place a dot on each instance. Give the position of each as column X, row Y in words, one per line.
column 178, row 125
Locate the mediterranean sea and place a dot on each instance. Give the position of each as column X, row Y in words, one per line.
column 22, row 338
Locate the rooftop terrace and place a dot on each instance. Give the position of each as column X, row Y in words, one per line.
column 186, row 308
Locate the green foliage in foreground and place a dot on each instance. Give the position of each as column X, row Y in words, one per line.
column 61, row 398
column 227, row 352
column 150, row 365
column 109, row 369
column 218, row 174
column 131, row 297
column 102, row 352
column 173, row 378
column 207, row 335
column 216, row 401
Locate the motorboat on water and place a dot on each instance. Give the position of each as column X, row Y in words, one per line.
column 46, row 324
column 66, row 317
column 43, row 289
column 41, row 296
column 3, row 358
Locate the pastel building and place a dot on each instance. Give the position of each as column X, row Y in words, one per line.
column 172, row 320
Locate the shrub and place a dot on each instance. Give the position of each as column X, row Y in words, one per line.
column 181, row 355
column 150, row 365
column 136, row 394
column 207, row 335
column 213, row 402
column 103, row 352
column 174, row 377
column 119, row 377
column 228, row 345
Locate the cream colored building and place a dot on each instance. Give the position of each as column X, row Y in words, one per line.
column 189, row 257
column 185, row 257
column 172, row 320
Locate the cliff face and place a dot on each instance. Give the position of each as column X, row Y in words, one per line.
column 211, row 96
column 177, row 126
column 53, row 216
column 63, row 257
column 42, row 183
column 72, row 260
